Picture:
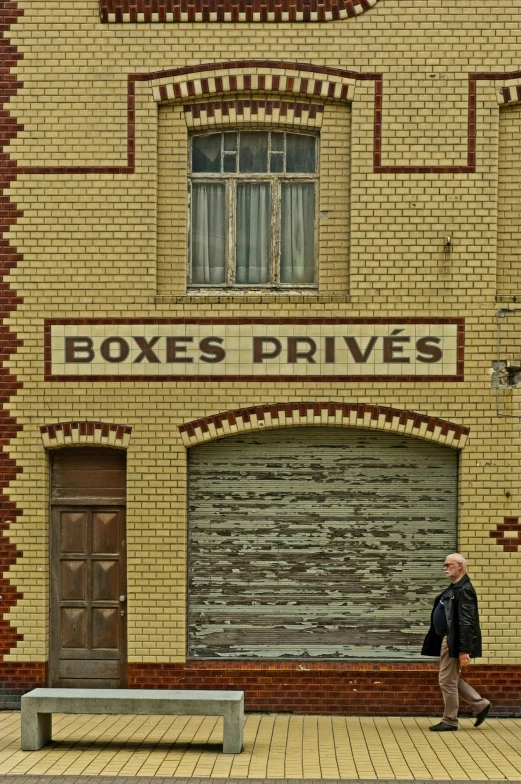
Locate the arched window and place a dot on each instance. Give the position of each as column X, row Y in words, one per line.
column 253, row 209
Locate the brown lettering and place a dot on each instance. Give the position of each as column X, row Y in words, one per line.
column 294, row 354
column 392, row 346
column 207, row 346
column 431, row 353
column 330, row 350
column 259, row 355
column 76, row 347
column 176, row 346
column 146, row 349
column 357, row 354
column 122, row 348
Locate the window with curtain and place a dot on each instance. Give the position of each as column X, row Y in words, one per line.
column 252, row 209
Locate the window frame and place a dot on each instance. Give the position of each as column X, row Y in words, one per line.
column 275, row 180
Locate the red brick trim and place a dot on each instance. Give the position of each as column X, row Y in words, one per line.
column 512, row 542
column 332, row 687
column 231, row 10
column 253, row 112
column 79, row 433
column 9, row 257
column 271, row 416
column 181, row 87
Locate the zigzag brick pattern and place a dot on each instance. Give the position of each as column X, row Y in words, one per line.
column 78, row 433
column 9, row 13
column 319, row 414
column 114, row 11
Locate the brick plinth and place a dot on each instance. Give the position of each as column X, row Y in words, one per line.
column 363, row 689
column 17, row 678
column 332, row 688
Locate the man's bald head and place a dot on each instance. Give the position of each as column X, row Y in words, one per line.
column 455, row 567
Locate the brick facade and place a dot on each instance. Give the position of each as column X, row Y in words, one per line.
column 418, row 112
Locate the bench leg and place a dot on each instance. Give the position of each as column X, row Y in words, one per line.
column 36, row 729
column 232, row 733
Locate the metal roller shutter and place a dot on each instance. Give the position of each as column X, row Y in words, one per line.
column 317, row 542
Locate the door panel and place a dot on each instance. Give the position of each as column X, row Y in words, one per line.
column 73, row 532
column 73, row 628
column 88, row 620
column 105, row 532
column 73, row 581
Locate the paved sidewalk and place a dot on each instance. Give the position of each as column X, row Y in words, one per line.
column 126, row 749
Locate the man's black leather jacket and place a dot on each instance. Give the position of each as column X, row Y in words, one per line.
column 461, row 611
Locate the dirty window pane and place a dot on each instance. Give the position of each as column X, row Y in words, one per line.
column 230, row 162
column 206, row 153
column 300, row 154
column 230, row 141
column 277, row 142
column 253, row 152
column 277, row 162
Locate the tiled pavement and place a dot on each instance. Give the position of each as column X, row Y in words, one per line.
column 278, row 747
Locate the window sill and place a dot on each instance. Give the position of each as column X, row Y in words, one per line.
column 251, row 297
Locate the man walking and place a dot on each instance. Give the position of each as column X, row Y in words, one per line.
column 455, row 636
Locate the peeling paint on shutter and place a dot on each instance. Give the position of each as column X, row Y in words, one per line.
column 317, row 542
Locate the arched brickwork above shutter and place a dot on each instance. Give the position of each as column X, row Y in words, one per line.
column 124, row 11
column 392, row 420
column 84, row 433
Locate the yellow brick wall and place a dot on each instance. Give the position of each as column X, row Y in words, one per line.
column 509, row 203
column 114, row 245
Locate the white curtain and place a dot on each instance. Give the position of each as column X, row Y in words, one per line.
column 297, row 246
column 253, row 232
column 208, row 233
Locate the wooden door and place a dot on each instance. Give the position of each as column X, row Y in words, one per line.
column 88, row 570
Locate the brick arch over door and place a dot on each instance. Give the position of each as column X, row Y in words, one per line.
column 392, row 420
column 64, row 434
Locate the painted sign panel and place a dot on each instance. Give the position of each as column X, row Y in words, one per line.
column 273, row 349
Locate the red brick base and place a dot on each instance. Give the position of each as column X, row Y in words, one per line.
column 16, row 678
column 302, row 687
column 333, row 687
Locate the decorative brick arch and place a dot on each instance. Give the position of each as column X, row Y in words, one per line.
column 254, row 112
column 83, row 433
column 131, row 11
column 255, row 76
column 392, row 420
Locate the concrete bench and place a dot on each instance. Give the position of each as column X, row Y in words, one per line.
column 39, row 705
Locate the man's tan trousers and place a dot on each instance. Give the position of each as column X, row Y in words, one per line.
column 453, row 687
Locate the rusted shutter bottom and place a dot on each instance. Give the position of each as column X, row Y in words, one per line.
column 318, row 542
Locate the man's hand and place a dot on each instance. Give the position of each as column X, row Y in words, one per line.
column 464, row 659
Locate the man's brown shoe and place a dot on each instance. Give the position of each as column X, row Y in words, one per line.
column 443, row 727
column 482, row 715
